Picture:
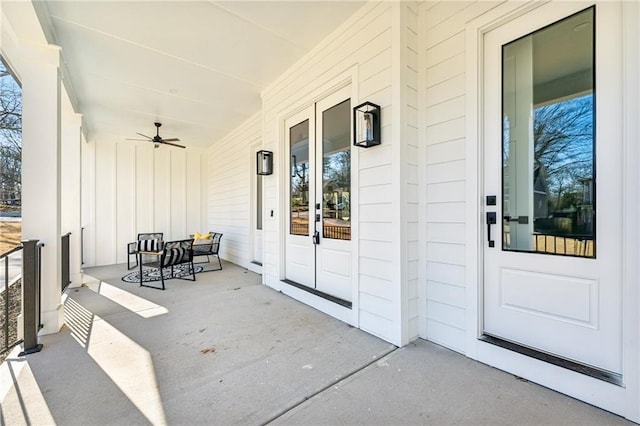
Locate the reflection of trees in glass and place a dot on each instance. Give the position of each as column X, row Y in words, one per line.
column 336, row 176
column 10, row 136
column 299, row 197
column 563, row 135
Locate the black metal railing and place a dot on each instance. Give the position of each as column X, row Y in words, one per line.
column 31, row 290
column 66, row 276
column 336, row 232
column 570, row 245
column 11, row 297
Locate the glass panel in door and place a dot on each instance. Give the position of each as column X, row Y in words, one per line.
column 299, row 178
column 548, row 141
column 336, row 172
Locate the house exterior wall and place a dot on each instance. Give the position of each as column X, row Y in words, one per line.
column 450, row 106
column 231, row 171
column 362, row 52
column 132, row 187
column 445, row 168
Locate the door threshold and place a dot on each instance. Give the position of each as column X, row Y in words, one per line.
column 315, row 292
column 596, row 373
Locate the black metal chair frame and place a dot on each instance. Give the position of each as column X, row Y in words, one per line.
column 209, row 248
column 167, row 260
column 132, row 248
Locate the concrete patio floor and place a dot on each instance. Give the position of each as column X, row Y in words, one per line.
column 226, row 350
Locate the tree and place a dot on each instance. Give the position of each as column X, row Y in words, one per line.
column 563, row 135
column 10, row 133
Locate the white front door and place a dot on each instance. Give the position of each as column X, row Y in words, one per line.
column 318, row 241
column 552, row 251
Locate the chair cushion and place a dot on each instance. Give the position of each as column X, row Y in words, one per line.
column 199, row 238
column 173, row 256
column 148, row 245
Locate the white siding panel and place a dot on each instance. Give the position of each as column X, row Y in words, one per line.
column 446, row 151
column 193, row 189
column 446, row 294
column 375, row 194
column 374, row 157
column 448, row 27
column 376, row 175
column 376, row 268
column 446, row 273
column 442, row 11
column 446, row 232
column 381, row 212
column 446, row 335
column 376, row 325
column 105, row 212
column 162, row 194
column 446, row 90
column 125, row 199
column 444, row 111
column 376, row 231
column 453, row 212
column 375, row 285
column 178, row 184
column 446, row 131
column 448, row 314
column 375, row 249
column 446, row 192
column 446, row 49
column 451, row 171
column 144, row 189
column 446, row 253
column 445, row 70
column 377, row 305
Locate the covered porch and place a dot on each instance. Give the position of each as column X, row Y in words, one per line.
column 227, row 350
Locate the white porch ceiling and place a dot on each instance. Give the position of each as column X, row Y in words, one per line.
column 196, row 66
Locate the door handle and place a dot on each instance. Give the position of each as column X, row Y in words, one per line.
column 316, row 237
column 491, row 220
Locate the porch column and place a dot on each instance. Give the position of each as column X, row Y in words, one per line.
column 71, row 171
column 41, row 194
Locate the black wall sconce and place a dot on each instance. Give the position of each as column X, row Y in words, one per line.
column 366, row 125
column 264, row 162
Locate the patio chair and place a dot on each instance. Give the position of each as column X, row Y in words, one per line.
column 173, row 253
column 150, row 241
column 208, row 247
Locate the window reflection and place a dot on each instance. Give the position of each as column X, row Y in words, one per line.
column 336, row 172
column 548, row 140
column 299, row 181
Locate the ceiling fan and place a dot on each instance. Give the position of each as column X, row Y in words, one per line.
column 157, row 140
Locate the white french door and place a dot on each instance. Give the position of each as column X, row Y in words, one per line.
column 552, row 238
column 318, row 225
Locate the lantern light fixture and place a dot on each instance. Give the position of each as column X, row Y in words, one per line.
column 264, row 162
column 366, row 125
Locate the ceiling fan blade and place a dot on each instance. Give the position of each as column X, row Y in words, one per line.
column 172, row 144
column 143, row 140
column 171, row 140
column 148, row 137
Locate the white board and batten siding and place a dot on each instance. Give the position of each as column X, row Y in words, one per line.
column 231, row 170
column 138, row 188
column 444, row 149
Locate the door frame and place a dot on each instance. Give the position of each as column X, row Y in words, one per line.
column 254, row 146
column 347, row 78
column 621, row 400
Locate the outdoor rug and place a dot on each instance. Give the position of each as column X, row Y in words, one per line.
column 153, row 274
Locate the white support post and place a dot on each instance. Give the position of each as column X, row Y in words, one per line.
column 41, row 177
column 71, row 171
